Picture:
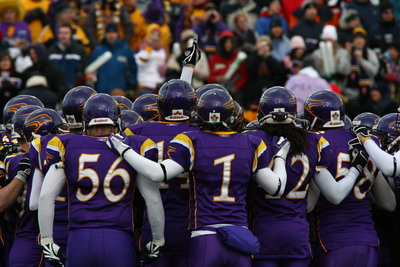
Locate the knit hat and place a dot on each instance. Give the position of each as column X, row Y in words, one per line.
column 385, row 6
column 359, row 32
column 111, row 27
column 329, row 32
column 297, row 42
column 275, row 22
column 36, row 80
column 226, row 34
column 308, row 4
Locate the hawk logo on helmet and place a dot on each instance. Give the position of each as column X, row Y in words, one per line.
column 214, row 117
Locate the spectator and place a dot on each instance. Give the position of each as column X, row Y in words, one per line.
column 341, row 59
column 274, row 9
column 118, row 72
column 245, row 38
column 379, row 101
column 209, row 30
column 201, row 70
column 387, row 31
column 280, row 43
column 365, row 66
column 263, row 71
column 294, row 61
column 390, row 71
column 221, row 62
column 308, row 27
column 68, row 55
column 19, row 53
column 151, row 60
column 35, row 14
column 347, row 23
column 10, row 81
column 42, row 66
column 37, row 86
column 11, row 24
column 368, row 12
column 139, row 24
column 155, row 14
column 323, row 11
column 63, row 15
column 248, row 7
column 306, row 82
column 102, row 14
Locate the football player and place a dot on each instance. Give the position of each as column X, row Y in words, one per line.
column 100, row 186
column 221, row 164
column 26, row 250
column 129, row 118
column 280, row 222
column 146, row 106
column 346, row 231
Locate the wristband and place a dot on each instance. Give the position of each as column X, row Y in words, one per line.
column 164, row 171
column 123, row 152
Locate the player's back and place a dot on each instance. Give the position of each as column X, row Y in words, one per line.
column 221, row 165
column 280, row 222
column 100, row 183
column 350, row 222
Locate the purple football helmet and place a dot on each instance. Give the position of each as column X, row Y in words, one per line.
column 388, row 128
column 146, row 106
column 42, row 122
column 19, row 118
column 216, row 107
column 128, row 118
column 72, row 105
column 238, row 124
column 18, row 102
column 207, row 87
column 324, row 109
column 100, row 109
column 366, row 119
column 123, row 102
column 176, row 100
column 277, row 106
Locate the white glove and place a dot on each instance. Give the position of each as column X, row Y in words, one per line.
column 116, row 143
column 284, row 145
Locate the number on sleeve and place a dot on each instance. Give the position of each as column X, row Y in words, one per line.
column 226, row 177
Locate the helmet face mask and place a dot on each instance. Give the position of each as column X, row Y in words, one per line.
column 388, row 129
column 277, row 105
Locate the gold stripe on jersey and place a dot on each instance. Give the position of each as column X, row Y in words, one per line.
column 322, row 143
column 146, row 146
column 128, row 132
column 55, row 144
column 37, row 144
column 185, row 141
column 260, row 149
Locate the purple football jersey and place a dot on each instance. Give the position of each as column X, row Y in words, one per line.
column 100, row 183
column 350, row 222
column 221, row 165
column 175, row 192
column 280, row 222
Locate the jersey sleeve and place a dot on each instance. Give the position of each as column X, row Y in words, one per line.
column 261, row 158
column 149, row 150
column 324, row 153
column 34, row 152
column 2, row 174
column 181, row 150
column 55, row 152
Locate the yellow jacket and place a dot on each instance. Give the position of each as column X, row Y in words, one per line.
column 35, row 26
column 79, row 35
column 139, row 28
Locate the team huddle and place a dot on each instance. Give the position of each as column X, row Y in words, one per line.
column 177, row 179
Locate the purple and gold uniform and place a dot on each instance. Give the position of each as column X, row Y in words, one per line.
column 26, row 250
column 100, row 193
column 174, row 193
column 346, row 229
column 221, row 165
column 280, row 222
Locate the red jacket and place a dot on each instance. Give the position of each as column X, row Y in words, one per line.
column 219, row 66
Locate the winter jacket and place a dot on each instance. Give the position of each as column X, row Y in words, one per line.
column 245, row 41
column 119, row 71
column 209, row 35
column 369, row 13
column 35, row 12
column 383, row 34
column 71, row 60
column 280, row 48
column 262, row 25
column 310, row 31
column 151, row 65
column 19, row 26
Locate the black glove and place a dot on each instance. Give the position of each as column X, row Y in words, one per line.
column 364, row 131
column 151, row 253
column 358, row 159
column 353, row 143
column 192, row 54
column 24, row 169
column 53, row 254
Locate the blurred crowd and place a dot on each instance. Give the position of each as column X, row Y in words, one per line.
column 130, row 47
